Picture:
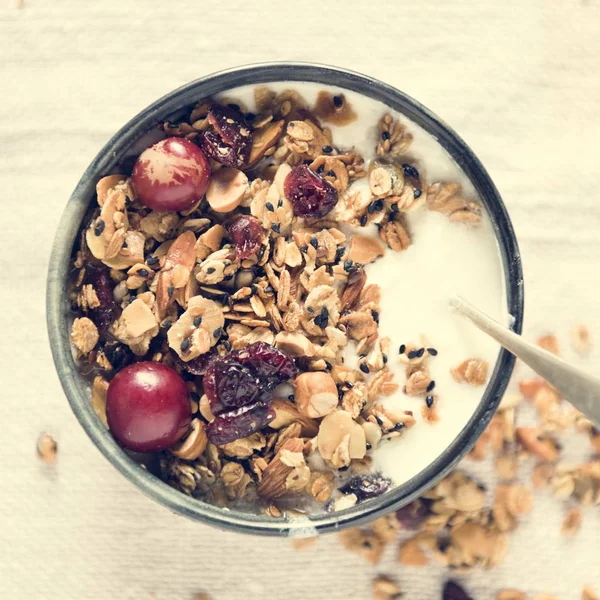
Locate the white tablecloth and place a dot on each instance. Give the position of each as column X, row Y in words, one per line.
column 519, row 80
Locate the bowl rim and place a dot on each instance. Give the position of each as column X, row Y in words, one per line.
column 59, row 267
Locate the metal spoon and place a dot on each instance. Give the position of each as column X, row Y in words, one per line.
column 581, row 389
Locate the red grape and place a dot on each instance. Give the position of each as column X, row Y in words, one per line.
column 147, row 407
column 309, row 193
column 172, row 175
column 247, row 234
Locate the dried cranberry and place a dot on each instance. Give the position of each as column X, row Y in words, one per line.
column 453, row 591
column 309, row 193
column 270, row 364
column 239, row 423
column 247, row 234
column 367, row 486
column 108, row 311
column 412, row 515
column 196, row 366
column 230, row 385
column 228, row 139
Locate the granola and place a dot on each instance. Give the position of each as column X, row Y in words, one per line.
column 235, row 255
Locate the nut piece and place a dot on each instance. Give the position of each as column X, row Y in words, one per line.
column 287, row 413
column 98, row 401
column 338, row 432
column 194, row 444
column 510, row 595
column 84, row 335
column 226, row 189
column 287, row 473
column 106, row 184
column 136, row 326
column 294, row 344
column 364, row 250
column 47, row 448
column 316, row 394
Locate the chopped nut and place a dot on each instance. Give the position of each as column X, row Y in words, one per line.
column 98, row 400
column 84, row 335
column 191, row 447
column 226, row 189
column 286, row 413
column 136, row 326
column 47, row 448
column 418, row 383
column 393, row 137
column 472, row 370
column 316, row 394
column 395, row 235
column 264, row 138
column 340, row 438
column 286, row 473
column 321, row 486
column 294, row 344
column 364, row 250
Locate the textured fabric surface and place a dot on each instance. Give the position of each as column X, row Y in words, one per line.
column 518, row 80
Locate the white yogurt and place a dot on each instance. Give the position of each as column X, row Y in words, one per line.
column 444, row 259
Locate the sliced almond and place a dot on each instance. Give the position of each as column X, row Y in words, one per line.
column 364, row 250
column 332, row 431
column 316, row 394
column 276, row 480
column 226, row 189
column 286, row 413
column 295, row 344
column 265, row 138
column 99, row 389
column 106, row 184
column 194, row 444
column 205, row 410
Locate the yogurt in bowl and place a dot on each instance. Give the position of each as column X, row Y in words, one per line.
column 297, row 289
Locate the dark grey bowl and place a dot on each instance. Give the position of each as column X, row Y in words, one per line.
column 58, row 308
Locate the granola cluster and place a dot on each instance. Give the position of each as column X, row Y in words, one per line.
column 240, row 267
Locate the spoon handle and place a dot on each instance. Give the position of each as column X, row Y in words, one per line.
column 580, row 388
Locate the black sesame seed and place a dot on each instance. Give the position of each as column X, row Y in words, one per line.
column 291, row 397
column 363, row 220
column 321, row 169
column 324, row 312
column 185, row 345
column 378, row 205
column 431, row 386
column 227, row 345
column 368, row 446
column 328, row 365
column 340, row 393
column 100, row 225
column 124, row 244
column 379, row 421
column 269, row 206
column 314, row 242
column 276, row 227
column 417, row 193
column 345, row 469
column 339, row 252
column 210, row 270
column 327, row 149
column 413, row 354
column 167, row 324
column 398, row 426
column 170, row 291
column 269, row 289
column 310, row 309
column 338, row 101
column 429, row 400
column 261, row 252
column 279, row 203
column 304, row 249
column 364, row 368
column 375, row 316
column 143, row 272
column 410, row 171
column 330, row 173
column 385, row 359
column 394, row 207
column 224, row 299
column 385, row 136
column 371, row 208
column 361, row 355
column 349, row 385
column 420, row 352
column 432, row 351
column 347, row 265
column 402, row 349
column 152, row 260
column 198, row 321
column 217, row 332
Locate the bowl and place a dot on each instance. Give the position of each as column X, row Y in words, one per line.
column 58, row 307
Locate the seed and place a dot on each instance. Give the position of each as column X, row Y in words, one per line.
column 170, row 291
column 124, row 244
column 347, row 265
column 291, row 397
column 410, row 171
column 327, row 149
column 413, row 354
column 167, row 324
column 349, row 385
column 330, row 173
column 210, row 270
column 321, row 169
column 304, row 249
column 227, row 345
column 429, row 400
column 314, row 243
column 398, row 426
column 198, row 321
column 371, row 208
column 279, row 203
column 402, row 349
column 394, row 207
column 328, row 365
column 375, row 316
column 185, row 345
column 417, row 193
column 276, row 227
column 261, row 252
column 100, row 225
column 432, row 351
column 152, row 260
column 363, row 220
column 378, row 205
column 385, row 136
column 269, row 206
column 385, row 359
column 339, row 252
column 143, row 273
column 364, row 368
column 368, row 446
column 338, row 101
column 269, row 289
column 430, row 386
column 217, row 332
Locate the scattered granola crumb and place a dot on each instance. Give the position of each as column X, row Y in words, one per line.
column 84, row 335
column 47, row 448
column 580, row 339
column 385, row 588
column 571, row 523
column 472, row 370
column 548, row 342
